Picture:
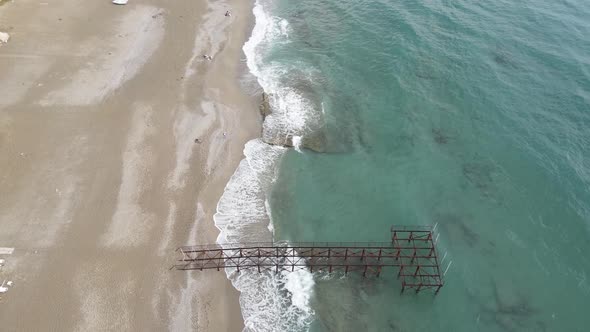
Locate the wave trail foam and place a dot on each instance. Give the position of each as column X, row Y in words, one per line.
column 270, row 302
column 291, row 87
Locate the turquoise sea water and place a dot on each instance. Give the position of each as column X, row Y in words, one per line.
column 471, row 114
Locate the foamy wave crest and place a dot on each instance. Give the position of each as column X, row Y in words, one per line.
column 300, row 285
column 297, row 143
column 241, row 212
column 270, row 302
column 266, row 30
column 266, row 304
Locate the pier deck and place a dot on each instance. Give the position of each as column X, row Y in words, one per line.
column 412, row 251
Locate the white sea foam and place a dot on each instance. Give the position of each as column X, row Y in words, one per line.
column 270, row 302
column 300, row 285
column 270, row 227
column 284, row 24
column 241, row 211
column 297, row 143
column 293, row 114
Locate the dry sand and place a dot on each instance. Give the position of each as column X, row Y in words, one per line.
column 100, row 175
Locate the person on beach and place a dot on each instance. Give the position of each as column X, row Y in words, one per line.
column 227, row 14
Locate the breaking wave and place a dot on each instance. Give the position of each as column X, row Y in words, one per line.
column 269, row 302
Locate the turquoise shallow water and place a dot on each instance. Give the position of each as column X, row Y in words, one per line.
column 475, row 115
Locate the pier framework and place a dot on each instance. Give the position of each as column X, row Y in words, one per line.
column 411, row 250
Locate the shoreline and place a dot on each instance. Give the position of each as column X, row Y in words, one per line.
column 240, row 132
column 112, row 181
column 269, row 301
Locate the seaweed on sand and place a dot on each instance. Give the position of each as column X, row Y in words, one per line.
column 501, row 59
column 519, row 306
column 403, row 142
column 425, row 76
column 426, row 67
column 504, row 59
column 440, row 137
column 454, row 224
column 486, row 177
column 392, row 326
column 514, row 313
column 480, row 175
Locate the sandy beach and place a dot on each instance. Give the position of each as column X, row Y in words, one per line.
column 117, row 138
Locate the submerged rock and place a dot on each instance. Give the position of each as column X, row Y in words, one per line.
column 276, row 130
column 315, row 141
column 265, row 106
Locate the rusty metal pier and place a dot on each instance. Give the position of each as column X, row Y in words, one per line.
column 412, row 250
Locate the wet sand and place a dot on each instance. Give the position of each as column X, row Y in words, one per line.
column 100, row 175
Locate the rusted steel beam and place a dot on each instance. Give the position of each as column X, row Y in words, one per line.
column 410, row 249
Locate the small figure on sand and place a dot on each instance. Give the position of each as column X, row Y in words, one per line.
column 207, row 57
column 197, row 140
column 228, row 14
column 224, row 134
